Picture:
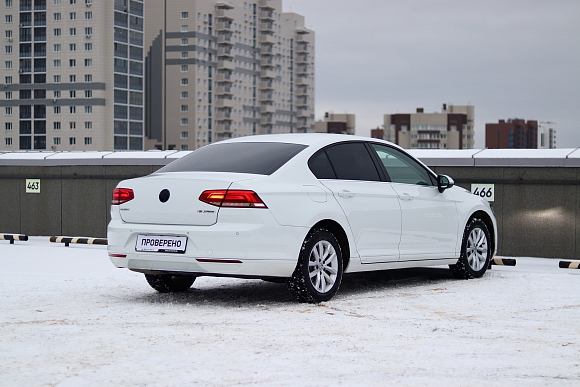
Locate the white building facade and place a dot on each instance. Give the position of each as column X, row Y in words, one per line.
column 73, row 75
column 546, row 135
column 222, row 69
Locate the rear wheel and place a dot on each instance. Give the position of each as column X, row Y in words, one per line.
column 319, row 270
column 167, row 283
column 475, row 251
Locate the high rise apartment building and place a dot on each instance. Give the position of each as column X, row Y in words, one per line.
column 512, row 134
column 450, row 129
column 71, row 75
column 222, row 69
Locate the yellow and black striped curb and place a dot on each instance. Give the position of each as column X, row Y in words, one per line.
column 13, row 237
column 569, row 265
column 84, row 241
column 503, row 261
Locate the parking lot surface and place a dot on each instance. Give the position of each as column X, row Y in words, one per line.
column 69, row 318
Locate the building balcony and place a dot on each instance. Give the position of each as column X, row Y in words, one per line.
column 302, row 101
column 302, row 80
column 302, row 58
column 302, row 123
column 267, row 62
column 224, row 14
column 302, row 70
column 268, row 39
column 223, row 77
column 224, row 90
column 303, row 113
column 225, row 26
column 267, row 74
column 302, row 48
column 223, row 116
column 267, row 109
column 224, row 103
column 226, row 64
column 267, row 96
column 267, row 51
column 223, row 128
column 267, row 15
column 267, row 120
column 225, row 39
column 267, row 27
column 225, row 52
column 266, row 5
column 266, row 85
column 302, row 90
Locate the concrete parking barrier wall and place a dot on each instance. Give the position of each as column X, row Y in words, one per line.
column 537, row 192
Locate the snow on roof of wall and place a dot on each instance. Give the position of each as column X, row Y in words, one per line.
column 569, row 157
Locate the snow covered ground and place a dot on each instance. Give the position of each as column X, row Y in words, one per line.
column 69, row 318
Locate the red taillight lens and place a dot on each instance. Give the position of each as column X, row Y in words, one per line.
column 122, row 195
column 232, row 198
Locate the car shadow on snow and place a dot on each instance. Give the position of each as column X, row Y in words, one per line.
column 249, row 293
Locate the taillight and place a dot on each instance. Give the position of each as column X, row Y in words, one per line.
column 122, row 195
column 232, row 198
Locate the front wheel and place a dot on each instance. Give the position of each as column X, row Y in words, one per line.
column 475, row 251
column 319, row 270
column 167, row 283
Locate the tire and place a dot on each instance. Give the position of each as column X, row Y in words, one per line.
column 318, row 273
column 475, row 251
column 167, row 283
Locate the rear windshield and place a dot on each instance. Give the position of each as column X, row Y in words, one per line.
column 262, row 158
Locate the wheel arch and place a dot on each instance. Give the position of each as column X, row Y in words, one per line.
column 336, row 229
column 486, row 218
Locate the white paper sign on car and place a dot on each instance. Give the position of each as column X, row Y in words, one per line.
column 161, row 243
column 485, row 191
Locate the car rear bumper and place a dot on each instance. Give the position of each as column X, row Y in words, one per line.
column 239, row 250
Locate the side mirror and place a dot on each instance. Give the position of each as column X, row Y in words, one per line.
column 444, row 182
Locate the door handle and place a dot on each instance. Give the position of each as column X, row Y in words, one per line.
column 406, row 197
column 346, row 194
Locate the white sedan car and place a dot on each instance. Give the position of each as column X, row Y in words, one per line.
column 300, row 208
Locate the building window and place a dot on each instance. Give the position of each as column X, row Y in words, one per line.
column 8, row 80
column 88, row 62
column 88, row 47
column 72, row 2
column 57, row 16
column 8, row 95
column 8, row 125
column 8, row 19
column 56, row 94
column 72, row 62
column 72, row 110
column 56, row 141
column 88, row 125
column 8, row 110
column 56, row 63
column 56, row 126
column 72, row 78
column 72, row 93
column 184, row 68
column 184, row 135
column 88, row 1
column 184, row 28
column 72, row 47
column 8, row 3
column 8, row 64
column 184, row 121
column 8, row 141
column 88, row 15
column 56, row 47
column 56, row 2
column 184, row 81
column 8, row 34
column 72, row 140
column 72, row 16
column 88, row 77
column 9, row 49
column 88, row 31
column 56, row 78
column 184, row 95
column 57, row 32
column 184, row 41
column 88, row 94
column 184, row 15
column 184, row 108
column 56, row 109
column 88, row 141
column 72, row 125
column 88, row 109
column 184, row 55
column 72, row 31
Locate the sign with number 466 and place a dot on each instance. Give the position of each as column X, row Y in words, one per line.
column 485, row 191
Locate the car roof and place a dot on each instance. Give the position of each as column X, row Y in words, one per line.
column 311, row 139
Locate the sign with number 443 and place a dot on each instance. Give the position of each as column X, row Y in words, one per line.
column 485, row 191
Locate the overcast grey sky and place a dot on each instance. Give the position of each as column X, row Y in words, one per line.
column 508, row 58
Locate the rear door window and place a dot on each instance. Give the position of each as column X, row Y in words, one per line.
column 262, row 158
column 348, row 161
